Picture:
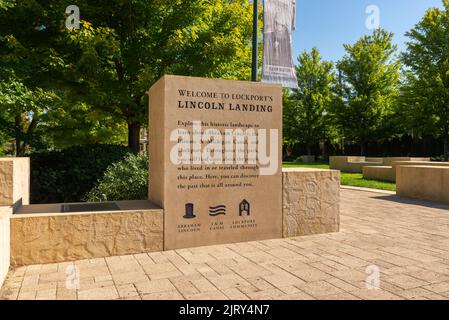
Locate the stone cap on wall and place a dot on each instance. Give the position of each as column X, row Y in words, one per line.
column 307, row 170
column 55, row 209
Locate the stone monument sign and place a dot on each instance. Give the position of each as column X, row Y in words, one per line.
column 215, row 160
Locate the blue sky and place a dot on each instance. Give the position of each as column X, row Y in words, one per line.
column 327, row 24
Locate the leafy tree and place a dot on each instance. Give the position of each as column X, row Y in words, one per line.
column 124, row 47
column 30, row 69
column 79, row 124
column 6, row 4
column 121, row 49
column 124, row 180
column 368, row 89
column 425, row 101
column 3, row 140
column 21, row 109
column 305, row 106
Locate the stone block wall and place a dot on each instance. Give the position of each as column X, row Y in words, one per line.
column 58, row 237
column 42, row 234
column 5, row 215
column 311, row 202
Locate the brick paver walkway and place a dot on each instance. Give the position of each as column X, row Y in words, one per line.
column 407, row 240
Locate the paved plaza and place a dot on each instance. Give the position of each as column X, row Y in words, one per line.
column 406, row 240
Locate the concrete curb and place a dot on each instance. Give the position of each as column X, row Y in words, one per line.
column 368, row 190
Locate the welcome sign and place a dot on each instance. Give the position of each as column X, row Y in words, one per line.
column 215, row 160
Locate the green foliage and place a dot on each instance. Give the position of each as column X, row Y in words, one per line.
column 425, row 101
column 3, row 140
column 124, row 180
column 6, row 4
column 303, row 108
column 357, row 180
column 116, row 60
column 67, row 175
column 102, row 71
column 368, row 89
column 21, row 109
column 78, row 124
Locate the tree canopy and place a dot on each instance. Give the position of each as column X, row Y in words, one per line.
column 104, row 69
column 425, row 99
column 304, row 107
column 368, row 88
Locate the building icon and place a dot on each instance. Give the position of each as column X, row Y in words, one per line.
column 244, row 208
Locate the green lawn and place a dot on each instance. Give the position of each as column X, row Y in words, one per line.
column 347, row 179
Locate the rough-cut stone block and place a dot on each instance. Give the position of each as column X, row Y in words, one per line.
column 41, row 238
column 423, row 182
column 5, row 215
column 311, row 202
column 14, row 181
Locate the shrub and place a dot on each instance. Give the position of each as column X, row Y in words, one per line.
column 67, row 175
column 437, row 158
column 124, row 180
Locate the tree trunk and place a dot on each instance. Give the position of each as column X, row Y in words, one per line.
column 134, row 137
column 309, row 150
column 446, row 147
column 324, row 149
column 362, row 149
column 18, row 128
column 19, row 149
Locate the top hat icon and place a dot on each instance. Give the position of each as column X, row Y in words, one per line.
column 189, row 211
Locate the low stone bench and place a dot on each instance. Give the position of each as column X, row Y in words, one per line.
column 381, row 173
column 353, row 164
column 387, row 172
column 423, row 182
column 357, row 164
column 357, row 167
column 44, row 234
column 396, row 164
